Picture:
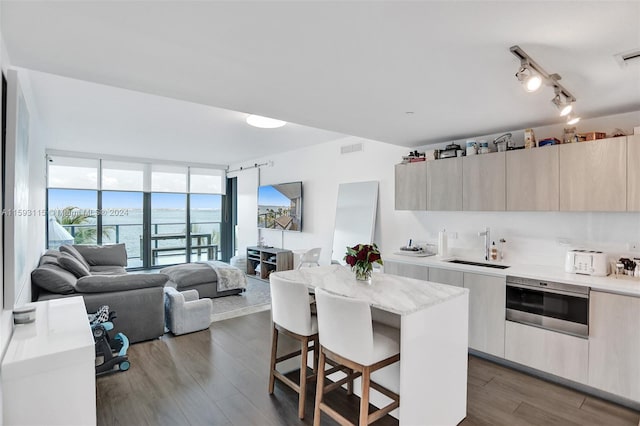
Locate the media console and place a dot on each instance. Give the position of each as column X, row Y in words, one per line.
column 261, row 261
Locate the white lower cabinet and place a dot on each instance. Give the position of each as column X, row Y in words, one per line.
column 486, row 312
column 556, row 353
column 408, row 270
column 446, row 276
column 614, row 344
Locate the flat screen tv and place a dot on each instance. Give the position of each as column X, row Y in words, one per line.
column 280, row 206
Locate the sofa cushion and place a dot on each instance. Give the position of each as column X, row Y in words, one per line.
column 107, row 270
column 112, row 254
column 73, row 265
column 54, row 279
column 50, row 257
column 109, row 283
column 67, row 248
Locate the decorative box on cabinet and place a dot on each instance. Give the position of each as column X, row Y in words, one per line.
column 593, row 175
column 411, row 186
column 48, row 371
column 268, row 259
column 483, row 182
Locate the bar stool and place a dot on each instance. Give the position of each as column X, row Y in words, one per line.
column 291, row 314
column 349, row 337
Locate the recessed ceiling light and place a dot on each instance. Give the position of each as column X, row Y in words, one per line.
column 264, row 122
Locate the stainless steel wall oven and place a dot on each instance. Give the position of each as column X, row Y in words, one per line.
column 553, row 306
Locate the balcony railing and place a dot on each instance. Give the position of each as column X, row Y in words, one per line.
column 163, row 240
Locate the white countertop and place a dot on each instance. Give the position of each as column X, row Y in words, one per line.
column 391, row 293
column 622, row 285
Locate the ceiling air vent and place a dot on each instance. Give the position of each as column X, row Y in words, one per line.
column 629, row 58
column 347, row 149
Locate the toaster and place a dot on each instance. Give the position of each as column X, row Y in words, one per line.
column 587, row 262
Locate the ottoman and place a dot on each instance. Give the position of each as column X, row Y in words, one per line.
column 211, row 279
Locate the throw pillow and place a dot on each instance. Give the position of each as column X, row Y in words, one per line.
column 67, row 248
column 111, row 254
column 54, row 279
column 73, row 265
column 50, row 257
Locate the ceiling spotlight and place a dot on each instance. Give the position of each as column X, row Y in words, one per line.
column 531, row 80
column 572, row 119
column 564, row 106
column 264, row 122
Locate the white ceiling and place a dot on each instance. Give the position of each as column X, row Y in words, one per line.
column 349, row 67
column 88, row 117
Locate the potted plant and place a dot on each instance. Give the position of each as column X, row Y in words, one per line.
column 361, row 258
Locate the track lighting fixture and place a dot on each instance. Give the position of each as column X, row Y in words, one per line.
column 532, row 76
column 531, row 80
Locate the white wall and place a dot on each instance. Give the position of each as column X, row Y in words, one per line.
column 532, row 237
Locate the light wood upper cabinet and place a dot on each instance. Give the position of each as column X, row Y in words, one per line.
column 532, row 179
column 593, row 175
column 614, row 344
column 633, row 173
column 411, row 186
column 483, row 182
column 444, row 184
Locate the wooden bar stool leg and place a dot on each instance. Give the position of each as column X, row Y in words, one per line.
column 319, row 389
column 316, row 351
column 350, row 383
column 274, row 351
column 364, row 398
column 303, row 376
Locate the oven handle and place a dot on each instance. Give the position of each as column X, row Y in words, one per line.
column 549, row 290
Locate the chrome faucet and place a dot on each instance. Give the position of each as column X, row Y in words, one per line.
column 487, row 241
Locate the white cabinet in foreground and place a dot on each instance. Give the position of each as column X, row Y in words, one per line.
column 556, row 353
column 48, row 371
column 614, row 344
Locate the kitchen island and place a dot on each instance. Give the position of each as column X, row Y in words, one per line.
column 431, row 377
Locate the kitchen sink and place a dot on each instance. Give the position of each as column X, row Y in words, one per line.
column 486, row 265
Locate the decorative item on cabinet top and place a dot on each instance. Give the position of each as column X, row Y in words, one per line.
column 414, row 157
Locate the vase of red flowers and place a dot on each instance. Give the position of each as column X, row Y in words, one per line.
column 361, row 258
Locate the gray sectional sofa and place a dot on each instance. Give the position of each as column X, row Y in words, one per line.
column 97, row 273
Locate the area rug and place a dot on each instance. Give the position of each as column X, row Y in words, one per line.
column 256, row 298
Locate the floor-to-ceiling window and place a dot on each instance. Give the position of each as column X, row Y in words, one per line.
column 164, row 214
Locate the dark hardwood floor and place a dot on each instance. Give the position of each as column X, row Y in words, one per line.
column 220, row 377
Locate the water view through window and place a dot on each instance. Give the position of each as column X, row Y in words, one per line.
column 73, row 219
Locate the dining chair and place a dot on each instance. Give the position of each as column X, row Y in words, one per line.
column 349, row 337
column 310, row 257
column 291, row 313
